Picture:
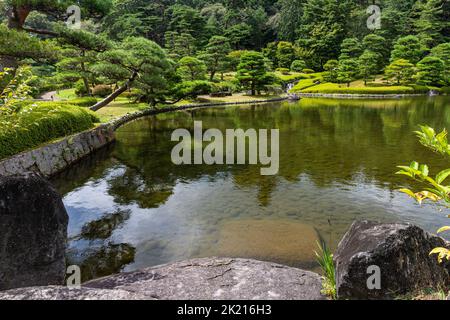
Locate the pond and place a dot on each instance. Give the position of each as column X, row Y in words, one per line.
column 131, row 208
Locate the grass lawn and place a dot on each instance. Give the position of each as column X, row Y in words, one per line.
column 66, row 94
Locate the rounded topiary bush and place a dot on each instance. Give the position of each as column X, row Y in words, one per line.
column 308, row 71
column 298, row 65
column 284, row 71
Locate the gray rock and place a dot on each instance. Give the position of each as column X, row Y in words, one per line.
column 401, row 251
column 64, row 293
column 33, row 231
column 218, row 278
column 204, row 279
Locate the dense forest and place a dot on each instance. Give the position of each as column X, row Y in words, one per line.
column 198, row 34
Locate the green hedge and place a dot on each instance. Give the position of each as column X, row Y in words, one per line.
column 35, row 124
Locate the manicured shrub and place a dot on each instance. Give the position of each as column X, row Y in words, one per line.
column 308, row 71
column 284, row 71
column 35, row 124
column 102, row 90
column 85, row 102
column 80, row 89
column 298, row 65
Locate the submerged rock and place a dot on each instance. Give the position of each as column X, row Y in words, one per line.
column 400, row 251
column 33, row 231
column 204, row 279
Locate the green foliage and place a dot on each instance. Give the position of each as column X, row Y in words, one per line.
column 437, row 190
column 85, row 102
column 215, row 55
column 368, row 66
column 401, row 71
column 191, row 69
column 347, row 70
column 21, row 45
column 298, row 65
column 35, row 124
column 430, row 71
column 350, row 49
column 191, row 89
column 325, row 260
column 442, row 52
column 252, row 72
column 331, row 68
column 286, row 54
column 408, row 48
column 14, row 86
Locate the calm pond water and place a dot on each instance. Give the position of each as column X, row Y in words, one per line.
column 130, row 207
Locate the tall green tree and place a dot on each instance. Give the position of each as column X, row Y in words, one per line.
column 137, row 61
column 331, row 71
column 286, row 54
column 191, row 69
column 408, row 48
column 368, row 65
column 215, row 55
column 324, row 27
column 347, row 71
column 350, row 49
column 401, row 71
column 432, row 23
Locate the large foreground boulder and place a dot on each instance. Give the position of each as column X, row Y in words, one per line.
column 198, row 279
column 400, row 251
column 33, row 232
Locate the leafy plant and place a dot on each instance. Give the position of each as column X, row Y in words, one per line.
column 14, row 86
column 437, row 191
column 325, row 260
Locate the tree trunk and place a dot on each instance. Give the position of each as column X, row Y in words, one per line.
column 85, row 79
column 213, row 73
column 115, row 94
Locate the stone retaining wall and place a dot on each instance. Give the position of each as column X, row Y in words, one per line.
column 55, row 157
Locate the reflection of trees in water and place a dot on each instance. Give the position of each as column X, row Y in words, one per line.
column 104, row 227
column 104, row 260
column 98, row 257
